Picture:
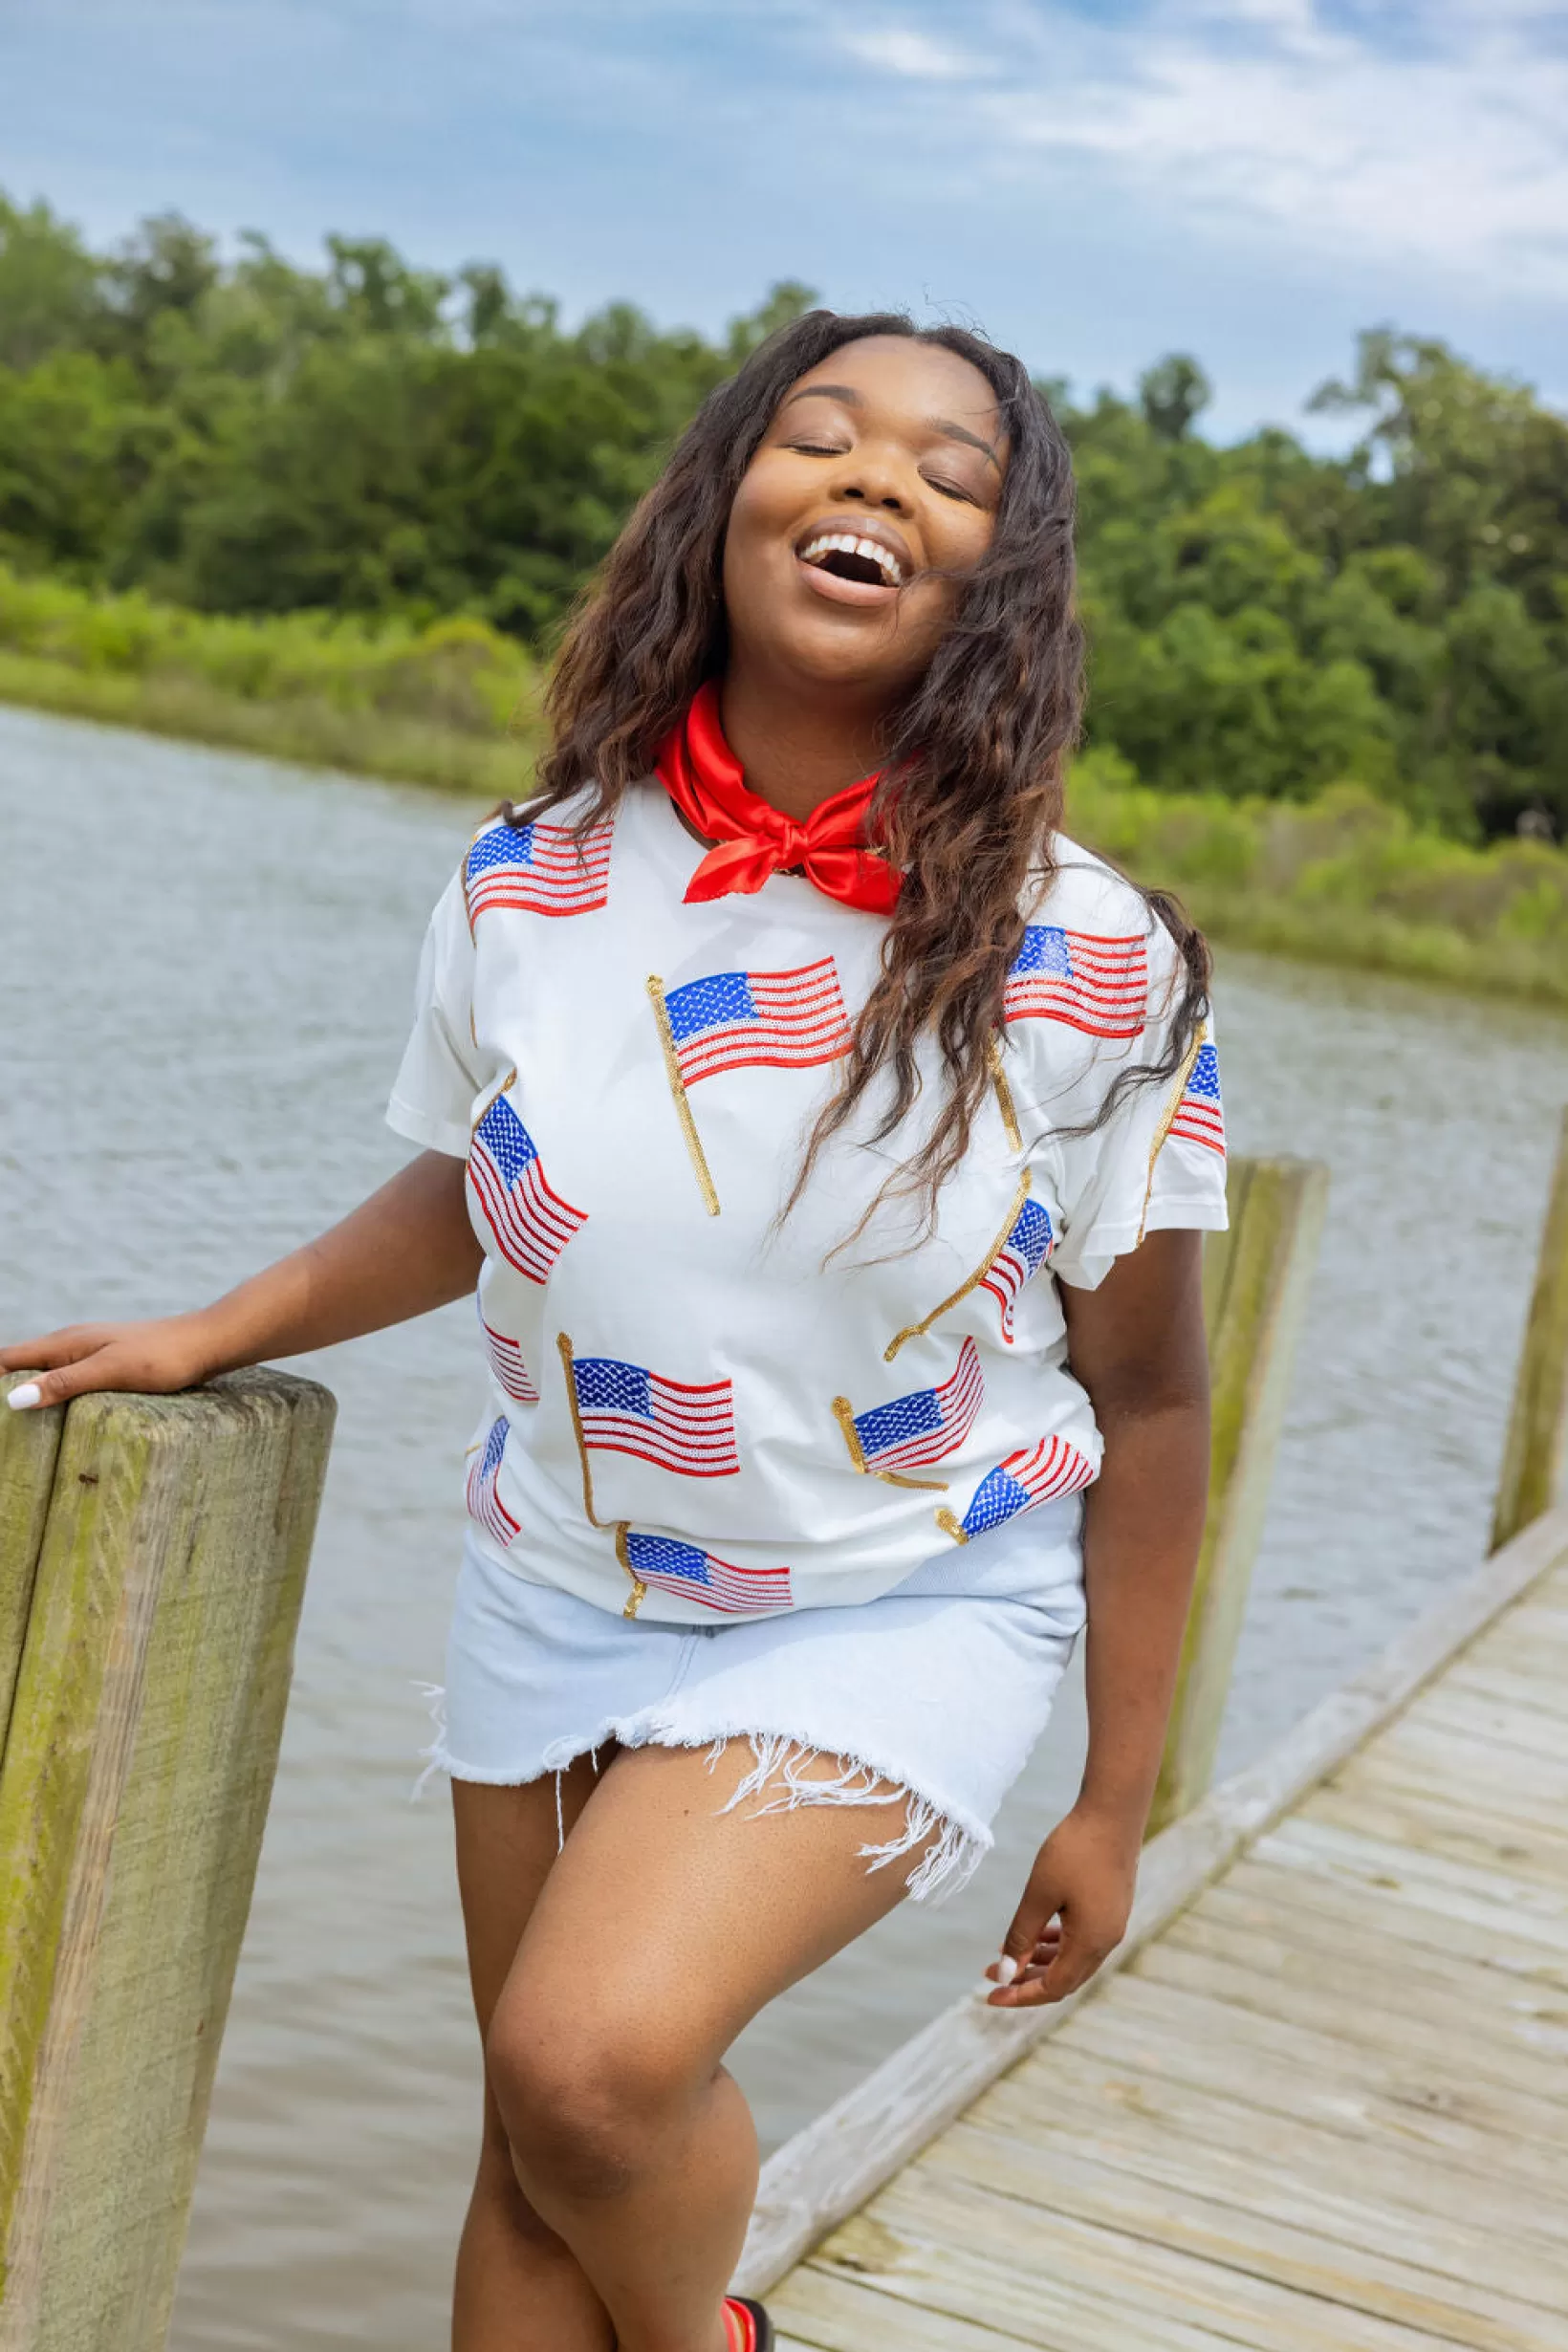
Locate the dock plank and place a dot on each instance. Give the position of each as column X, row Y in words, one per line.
column 1218, row 2205
column 1319, row 2105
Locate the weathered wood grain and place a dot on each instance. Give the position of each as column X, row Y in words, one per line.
column 1536, row 1448
column 841, row 2159
column 1257, row 1282
column 1222, row 2207
column 133, row 1790
column 29, row 1443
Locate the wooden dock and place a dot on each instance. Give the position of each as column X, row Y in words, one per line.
column 1320, row 2103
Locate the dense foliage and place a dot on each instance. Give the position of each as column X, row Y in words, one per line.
column 244, row 437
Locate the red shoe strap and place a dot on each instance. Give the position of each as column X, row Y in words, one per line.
column 741, row 2327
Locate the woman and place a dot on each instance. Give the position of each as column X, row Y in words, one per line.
column 832, row 1141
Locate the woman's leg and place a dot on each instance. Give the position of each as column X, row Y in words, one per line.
column 663, row 1928
column 518, row 2288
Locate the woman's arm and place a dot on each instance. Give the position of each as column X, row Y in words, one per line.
column 407, row 1248
column 1137, row 1345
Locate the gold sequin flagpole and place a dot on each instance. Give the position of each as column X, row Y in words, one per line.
column 677, row 1089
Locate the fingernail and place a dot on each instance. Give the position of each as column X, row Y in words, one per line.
column 1006, row 1969
column 29, row 1393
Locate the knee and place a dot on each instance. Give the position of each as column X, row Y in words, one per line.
column 583, row 2100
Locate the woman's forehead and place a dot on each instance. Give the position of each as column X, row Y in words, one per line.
column 894, row 372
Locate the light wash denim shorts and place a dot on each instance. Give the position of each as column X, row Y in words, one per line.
column 937, row 1691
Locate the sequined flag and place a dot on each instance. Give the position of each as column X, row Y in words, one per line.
column 676, row 1424
column 928, row 1422
column 1098, row 985
column 1035, row 1474
column 545, row 869
column 692, row 1574
column 731, row 1020
column 531, row 1224
column 1019, row 1258
column 506, row 1359
column 484, row 1504
column 1199, row 1117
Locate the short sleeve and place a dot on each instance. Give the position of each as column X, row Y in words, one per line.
column 1157, row 1161
column 432, row 1098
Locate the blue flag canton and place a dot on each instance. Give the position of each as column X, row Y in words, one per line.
column 663, row 1556
column 495, row 1446
column 998, row 1496
column 919, row 1414
column 605, row 1384
column 500, row 846
column 1206, row 1075
column 719, row 999
column 507, row 1140
column 1031, row 1236
column 1045, row 949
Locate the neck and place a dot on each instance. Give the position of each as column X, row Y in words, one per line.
column 795, row 753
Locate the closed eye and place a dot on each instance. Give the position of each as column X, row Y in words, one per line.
column 815, row 448
column 951, row 489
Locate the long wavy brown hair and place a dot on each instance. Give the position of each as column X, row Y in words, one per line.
column 977, row 748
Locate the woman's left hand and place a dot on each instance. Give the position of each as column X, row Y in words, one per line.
column 1073, row 1911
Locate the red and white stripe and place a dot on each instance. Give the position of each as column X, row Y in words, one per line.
column 1050, row 1468
column 692, row 1429
column 506, row 1359
column 531, row 1224
column 958, row 1399
column 1105, row 995
column 566, row 874
column 800, row 1020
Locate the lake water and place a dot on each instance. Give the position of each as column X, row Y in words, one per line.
column 206, row 976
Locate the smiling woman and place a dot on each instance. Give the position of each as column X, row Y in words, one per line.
column 778, row 1543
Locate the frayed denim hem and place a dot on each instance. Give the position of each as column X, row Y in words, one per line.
column 781, row 1780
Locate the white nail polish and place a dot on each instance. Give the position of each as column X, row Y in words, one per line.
column 21, row 1398
column 1006, row 1970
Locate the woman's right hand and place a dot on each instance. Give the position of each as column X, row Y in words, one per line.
column 152, row 1357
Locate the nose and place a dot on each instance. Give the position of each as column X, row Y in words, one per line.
column 867, row 480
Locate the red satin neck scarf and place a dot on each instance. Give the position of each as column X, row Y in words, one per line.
column 703, row 778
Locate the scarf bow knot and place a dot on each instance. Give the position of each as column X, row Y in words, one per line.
column 753, row 839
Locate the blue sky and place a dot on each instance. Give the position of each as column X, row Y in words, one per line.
column 1095, row 185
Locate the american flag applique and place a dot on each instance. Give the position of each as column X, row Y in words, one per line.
column 733, row 1020
column 1098, row 985
column 692, row 1574
column 545, row 869
column 1018, row 1260
column 737, row 1021
column 484, row 1504
column 531, row 1224
column 506, row 1361
column 890, row 1440
column 1199, row 1117
column 1035, row 1474
column 677, row 1424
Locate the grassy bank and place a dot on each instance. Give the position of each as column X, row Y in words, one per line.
column 1345, row 878
column 451, row 706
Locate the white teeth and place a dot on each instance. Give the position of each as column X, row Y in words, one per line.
column 845, row 543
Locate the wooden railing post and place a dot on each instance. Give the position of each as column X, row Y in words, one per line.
column 1255, row 1282
column 29, row 1443
column 133, row 1784
column 1535, row 1455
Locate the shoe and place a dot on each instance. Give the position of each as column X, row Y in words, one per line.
column 751, row 2330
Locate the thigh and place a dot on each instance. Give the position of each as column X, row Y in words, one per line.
column 508, row 1843
column 671, row 1922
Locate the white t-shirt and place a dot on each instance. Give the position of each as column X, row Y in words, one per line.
column 700, row 1411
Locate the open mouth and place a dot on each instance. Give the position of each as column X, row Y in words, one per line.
column 845, row 556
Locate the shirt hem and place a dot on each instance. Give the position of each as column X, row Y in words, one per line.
column 417, row 1126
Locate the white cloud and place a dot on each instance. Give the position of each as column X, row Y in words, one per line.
column 1263, row 120
column 901, row 49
